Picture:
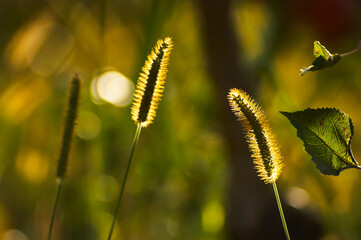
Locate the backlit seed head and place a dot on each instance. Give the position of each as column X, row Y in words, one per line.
column 260, row 138
column 150, row 85
column 71, row 115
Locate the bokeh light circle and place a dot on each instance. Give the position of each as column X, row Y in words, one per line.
column 113, row 87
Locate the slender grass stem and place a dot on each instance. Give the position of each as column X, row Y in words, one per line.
column 353, row 51
column 54, row 208
column 281, row 210
column 136, row 137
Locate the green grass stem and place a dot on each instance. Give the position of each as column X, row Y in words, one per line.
column 54, row 208
column 136, row 137
column 281, row 210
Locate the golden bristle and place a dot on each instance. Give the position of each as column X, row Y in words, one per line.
column 150, row 85
column 260, row 138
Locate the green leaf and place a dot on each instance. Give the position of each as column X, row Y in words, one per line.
column 326, row 134
column 323, row 58
column 319, row 50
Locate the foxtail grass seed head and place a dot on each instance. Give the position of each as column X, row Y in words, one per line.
column 261, row 141
column 71, row 115
column 150, row 85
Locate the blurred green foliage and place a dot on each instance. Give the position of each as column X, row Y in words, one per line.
column 178, row 182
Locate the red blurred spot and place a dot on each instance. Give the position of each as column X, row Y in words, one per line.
column 330, row 19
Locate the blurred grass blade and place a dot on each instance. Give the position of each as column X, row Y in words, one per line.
column 69, row 125
column 71, row 115
column 326, row 134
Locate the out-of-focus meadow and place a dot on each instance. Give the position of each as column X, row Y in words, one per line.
column 186, row 181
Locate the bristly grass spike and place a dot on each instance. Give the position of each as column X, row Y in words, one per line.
column 71, row 115
column 261, row 141
column 150, row 85
column 148, row 93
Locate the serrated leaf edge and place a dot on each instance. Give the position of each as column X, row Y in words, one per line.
column 356, row 165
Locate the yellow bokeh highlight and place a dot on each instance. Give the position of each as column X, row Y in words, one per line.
column 213, row 217
column 85, row 26
column 43, row 45
column 32, row 166
column 118, row 33
column 88, row 125
column 252, row 22
column 20, row 99
column 112, row 87
column 24, row 45
column 287, row 69
column 297, row 197
column 342, row 199
column 14, row 234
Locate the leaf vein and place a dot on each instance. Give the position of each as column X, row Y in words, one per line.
column 328, row 146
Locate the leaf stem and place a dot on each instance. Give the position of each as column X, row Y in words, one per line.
column 54, row 208
column 352, row 52
column 135, row 140
column 281, row 211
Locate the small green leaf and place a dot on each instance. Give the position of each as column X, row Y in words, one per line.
column 319, row 50
column 326, row 134
column 323, row 58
